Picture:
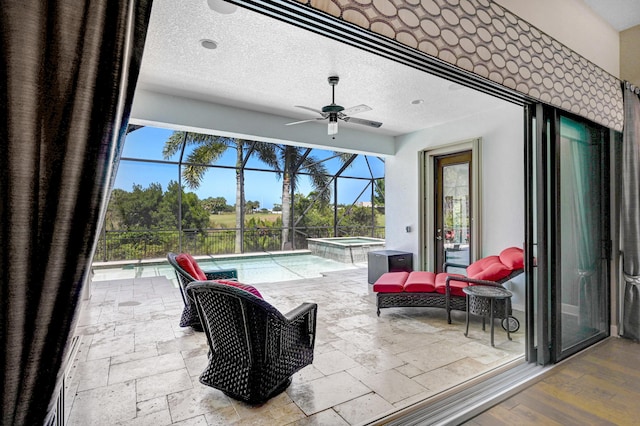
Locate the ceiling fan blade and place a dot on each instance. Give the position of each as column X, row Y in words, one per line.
column 370, row 123
column 355, row 110
column 310, row 109
column 304, row 121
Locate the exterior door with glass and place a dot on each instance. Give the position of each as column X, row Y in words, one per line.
column 452, row 209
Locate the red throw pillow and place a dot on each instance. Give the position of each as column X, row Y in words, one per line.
column 245, row 287
column 512, row 257
column 481, row 264
column 494, row 272
column 189, row 264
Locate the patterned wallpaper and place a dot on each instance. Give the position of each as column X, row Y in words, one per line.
column 482, row 37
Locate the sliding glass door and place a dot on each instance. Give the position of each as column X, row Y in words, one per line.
column 582, row 303
column 569, row 235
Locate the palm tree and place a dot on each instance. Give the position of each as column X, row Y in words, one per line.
column 208, row 150
column 289, row 162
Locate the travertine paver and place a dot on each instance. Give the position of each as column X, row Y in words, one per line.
column 137, row 366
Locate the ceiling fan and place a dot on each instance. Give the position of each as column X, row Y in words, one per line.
column 334, row 112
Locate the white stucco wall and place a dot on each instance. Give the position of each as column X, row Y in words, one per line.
column 575, row 25
column 502, row 133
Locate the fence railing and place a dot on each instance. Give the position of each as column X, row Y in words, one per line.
column 144, row 244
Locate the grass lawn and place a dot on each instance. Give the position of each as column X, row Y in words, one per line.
column 228, row 220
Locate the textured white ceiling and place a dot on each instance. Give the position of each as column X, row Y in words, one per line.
column 621, row 14
column 265, row 65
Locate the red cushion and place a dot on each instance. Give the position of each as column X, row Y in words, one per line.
column 456, row 286
column 481, row 264
column 512, row 257
column 245, row 287
column 391, row 282
column 421, row 281
column 189, row 264
column 494, row 272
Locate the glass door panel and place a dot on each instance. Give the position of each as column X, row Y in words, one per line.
column 568, row 234
column 582, row 300
column 453, row 209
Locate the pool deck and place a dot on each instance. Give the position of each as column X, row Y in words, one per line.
column 136, row 366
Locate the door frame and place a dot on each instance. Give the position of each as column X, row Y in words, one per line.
column 426, row 255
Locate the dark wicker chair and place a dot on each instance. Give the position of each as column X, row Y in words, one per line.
column 189, row 316
column 254, row 349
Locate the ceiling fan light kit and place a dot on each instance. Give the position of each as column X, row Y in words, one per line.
column 333, row 112
column 333, row 124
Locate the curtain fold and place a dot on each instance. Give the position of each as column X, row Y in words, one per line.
column 584, row 211
column 69, row 69
column 630, row 212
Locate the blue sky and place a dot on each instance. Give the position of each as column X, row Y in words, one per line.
column 147, row 143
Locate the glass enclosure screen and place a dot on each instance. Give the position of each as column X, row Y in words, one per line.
column 207, row 194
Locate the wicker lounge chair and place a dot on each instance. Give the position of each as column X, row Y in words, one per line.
column 187, row 271
column 444, row 290
column 254, row 349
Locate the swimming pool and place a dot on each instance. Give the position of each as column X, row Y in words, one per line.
column 252, row 269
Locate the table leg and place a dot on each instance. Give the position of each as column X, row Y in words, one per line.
column 508, row 307
column 467, row 320
column 491, row 316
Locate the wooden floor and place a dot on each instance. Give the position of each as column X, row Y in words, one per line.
column 600, row 386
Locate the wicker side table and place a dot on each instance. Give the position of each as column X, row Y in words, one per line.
column 481, row 300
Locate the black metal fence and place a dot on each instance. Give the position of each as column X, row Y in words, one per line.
column 138, row 245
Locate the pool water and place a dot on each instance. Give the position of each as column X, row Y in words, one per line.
column 251, row 269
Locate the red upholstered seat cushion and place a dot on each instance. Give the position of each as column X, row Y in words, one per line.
column 245, row 287
column 456, row 286
column 189, row 264
column 391, row 282
column 421, row 281
column 512, row 257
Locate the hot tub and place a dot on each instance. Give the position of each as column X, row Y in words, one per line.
column 344, row 249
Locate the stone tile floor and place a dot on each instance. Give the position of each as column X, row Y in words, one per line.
column 136, row 366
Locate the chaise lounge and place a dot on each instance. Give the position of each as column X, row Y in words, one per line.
column 445, row 290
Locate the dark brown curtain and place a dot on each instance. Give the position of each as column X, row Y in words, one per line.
column 630, row 212
column 68, row 70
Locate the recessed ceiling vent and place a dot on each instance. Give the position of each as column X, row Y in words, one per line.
column 208, row 44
